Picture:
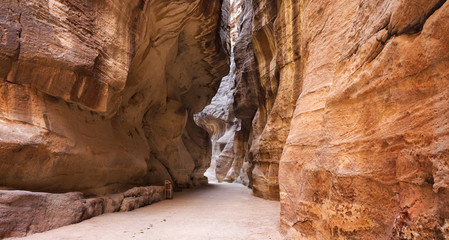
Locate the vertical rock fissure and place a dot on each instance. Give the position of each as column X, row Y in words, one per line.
column 259, row 92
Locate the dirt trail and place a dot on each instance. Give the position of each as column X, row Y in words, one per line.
column 218, row 211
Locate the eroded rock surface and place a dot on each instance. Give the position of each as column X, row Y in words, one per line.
column 98, row 96
column 219, row 120
column 265, row 87
column 338, row 107
column 350, row 100
column 367, row 152
column 26, row 212
column 23, row 213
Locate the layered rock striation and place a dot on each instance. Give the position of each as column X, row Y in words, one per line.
column 339, row 108
column 98, row 96
column 366, row 155
column 219, row 120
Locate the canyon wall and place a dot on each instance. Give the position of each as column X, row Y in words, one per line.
column 264, row 85
column 349, row 99
column 219, row 120
column 99, row 96
column 338, row 108
column 367, row 153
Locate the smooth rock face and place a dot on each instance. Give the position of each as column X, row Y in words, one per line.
column 278, row 72
column 265, row 87
column 98, row 96
column 219, row 121
column 337, row 107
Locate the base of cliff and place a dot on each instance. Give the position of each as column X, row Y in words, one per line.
column 217, row 211
column 23, row 213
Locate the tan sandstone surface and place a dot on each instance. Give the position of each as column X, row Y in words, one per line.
column 338, row 108
column 350, row 100
column 260, row 102
column 367, row 153
column 98, row 96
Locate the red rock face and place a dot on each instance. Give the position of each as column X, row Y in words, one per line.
column 342, row 106
column 350, row 100
column 99, row 96
column 366, row 156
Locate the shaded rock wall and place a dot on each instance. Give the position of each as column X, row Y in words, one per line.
column 218, row 118
column 278, row 71
column 98, row 96
column 265, row 87
column 337, row 107
column 221, row 124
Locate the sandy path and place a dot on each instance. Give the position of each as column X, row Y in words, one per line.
column 218, row 211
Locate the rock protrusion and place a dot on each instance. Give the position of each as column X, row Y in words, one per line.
column 23, row 213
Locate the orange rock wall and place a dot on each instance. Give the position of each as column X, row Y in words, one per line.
column 344, row 115
column 367, row 152
column 98, row 96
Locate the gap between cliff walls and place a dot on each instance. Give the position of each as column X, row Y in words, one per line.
column 250, row 116
column 218, row 118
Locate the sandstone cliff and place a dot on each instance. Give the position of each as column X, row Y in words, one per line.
column 350, row 100
column 98, row 96
column 265, row 85
column 367, row 153
column 219, row 119
column 339, row 108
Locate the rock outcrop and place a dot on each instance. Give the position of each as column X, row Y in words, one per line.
column 337, row 107
column 23, row 213
column 219, row 120
column 98, row 96
column 279, row 84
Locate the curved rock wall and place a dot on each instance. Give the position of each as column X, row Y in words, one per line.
column 339, row 108
column 98, row 96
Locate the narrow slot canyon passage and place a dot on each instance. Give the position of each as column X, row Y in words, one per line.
column 271, row 119
column 217, row 211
